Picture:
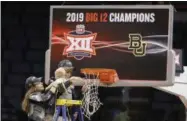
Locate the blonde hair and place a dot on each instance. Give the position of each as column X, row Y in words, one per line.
column 60, row 72
column 25, row 103
column 48, row 117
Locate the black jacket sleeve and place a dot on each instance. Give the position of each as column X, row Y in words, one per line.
column 67, row 84
column 47, row 96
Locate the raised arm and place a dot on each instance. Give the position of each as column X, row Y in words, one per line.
column 77, row 81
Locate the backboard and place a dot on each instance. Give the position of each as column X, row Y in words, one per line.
column 136, row 41
column 179, row 60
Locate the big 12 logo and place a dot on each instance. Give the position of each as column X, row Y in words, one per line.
column 80, row 43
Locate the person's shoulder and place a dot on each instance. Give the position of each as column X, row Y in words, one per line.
column 61, row 80
column 35, row 96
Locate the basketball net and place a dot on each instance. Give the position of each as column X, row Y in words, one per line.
column 91, row 102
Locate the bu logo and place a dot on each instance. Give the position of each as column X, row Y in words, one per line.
column 79, row 43
column 136, row 44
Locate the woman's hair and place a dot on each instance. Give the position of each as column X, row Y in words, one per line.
column 25, row 103
column 68, row 71
column 48, row 117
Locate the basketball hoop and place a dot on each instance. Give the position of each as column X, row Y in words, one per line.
column 91, row 102
column 95, row 76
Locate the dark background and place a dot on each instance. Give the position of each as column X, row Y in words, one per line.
column 25, row 37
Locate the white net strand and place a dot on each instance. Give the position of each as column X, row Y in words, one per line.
column 91, row 101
